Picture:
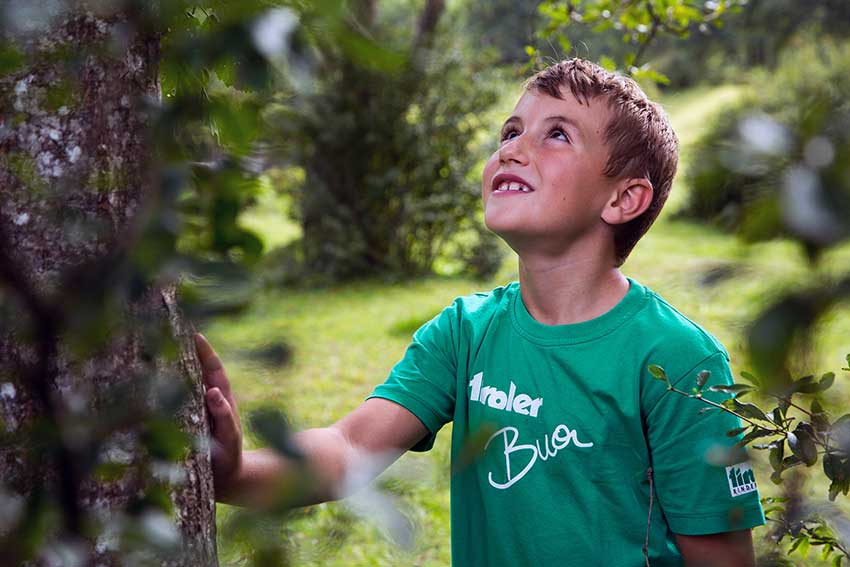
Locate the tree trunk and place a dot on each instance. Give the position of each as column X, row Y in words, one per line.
column 75, row 168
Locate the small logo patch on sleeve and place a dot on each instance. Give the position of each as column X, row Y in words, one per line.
column 741, row 479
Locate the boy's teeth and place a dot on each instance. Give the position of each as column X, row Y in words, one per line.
column 513, row 186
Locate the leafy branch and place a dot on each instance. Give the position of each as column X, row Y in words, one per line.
column 641, row 22
column 790, row 441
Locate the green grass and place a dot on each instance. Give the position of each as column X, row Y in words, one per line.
column 346, row 339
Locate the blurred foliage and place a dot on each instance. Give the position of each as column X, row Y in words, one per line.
column 216, row 64
column 637, row 24
column 755, row 36
column 778, row 163
column 487, row 28
column 683, row 42
column 387, row 150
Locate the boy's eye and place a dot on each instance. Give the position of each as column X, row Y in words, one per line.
column 509, row 134
column 559, row 134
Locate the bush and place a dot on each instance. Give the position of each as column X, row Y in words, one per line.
column 388, row 153
column 779, row 162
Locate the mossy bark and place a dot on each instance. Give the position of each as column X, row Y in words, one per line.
column 75, row 163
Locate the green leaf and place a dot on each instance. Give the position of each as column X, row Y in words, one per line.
column 804, row 546
column 750, row 377
column 775, row 508
column 607, row 63
column 835, row 488
column 805, row 385
column 820, row 421
column 369, row 54
column 831, row 466
column 754, row 434
column 776, row 456
column 735, row 432
column 650, row 74
column 658, row 373
column 731, row 388
column 802, row 443
column 747, row 410
column 826, row 552
column 791, row 461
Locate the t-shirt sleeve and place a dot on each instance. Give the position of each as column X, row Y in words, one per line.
column 704, row 484
column 423, row 381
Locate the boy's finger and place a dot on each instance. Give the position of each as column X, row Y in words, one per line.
column 212, row 368
column 225, row 424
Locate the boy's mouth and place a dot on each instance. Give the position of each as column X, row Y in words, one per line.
column 509, row 183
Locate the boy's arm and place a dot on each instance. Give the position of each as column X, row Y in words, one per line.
column 368, row 439
column 729, row 549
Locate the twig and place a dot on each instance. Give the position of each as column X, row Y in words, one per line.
column 790, row 403
column 648, row 516
column 773, row 430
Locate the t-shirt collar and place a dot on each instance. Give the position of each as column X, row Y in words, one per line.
column 595, row 328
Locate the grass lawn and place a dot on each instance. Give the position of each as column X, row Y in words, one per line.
column 346, row 339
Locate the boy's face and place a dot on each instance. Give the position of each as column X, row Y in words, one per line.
column 552, row 150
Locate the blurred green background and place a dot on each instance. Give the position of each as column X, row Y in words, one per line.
column 329, row 156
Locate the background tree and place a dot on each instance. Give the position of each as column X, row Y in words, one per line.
column 386, row 139
column 503, row 26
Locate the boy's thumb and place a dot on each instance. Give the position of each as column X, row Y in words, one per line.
column 215, row 397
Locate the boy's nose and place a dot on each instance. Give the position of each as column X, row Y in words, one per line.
column 513, row 151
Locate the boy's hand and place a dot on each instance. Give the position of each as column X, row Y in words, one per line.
column 226, row 446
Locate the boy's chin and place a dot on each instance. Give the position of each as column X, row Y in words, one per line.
column 500, row 229
column 500, row 219
column 512, row 235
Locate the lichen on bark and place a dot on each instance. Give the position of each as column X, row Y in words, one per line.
column 75, row 172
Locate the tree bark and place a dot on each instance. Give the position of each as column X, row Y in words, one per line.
column 75, row 162
column 427, row 25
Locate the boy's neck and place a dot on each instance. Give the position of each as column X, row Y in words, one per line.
column 563, row 292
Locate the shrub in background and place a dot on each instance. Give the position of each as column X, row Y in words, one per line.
column 779, row 163
column 388, row 151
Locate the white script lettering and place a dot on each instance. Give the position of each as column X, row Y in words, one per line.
column 562, row 436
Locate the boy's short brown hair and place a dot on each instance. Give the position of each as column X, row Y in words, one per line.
column 640, row 141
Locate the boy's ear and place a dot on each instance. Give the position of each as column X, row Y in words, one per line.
column 629, row 200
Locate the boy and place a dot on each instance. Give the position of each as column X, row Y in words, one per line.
column 587, row 461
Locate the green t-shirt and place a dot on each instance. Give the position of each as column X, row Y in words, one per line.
column 571, row 420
